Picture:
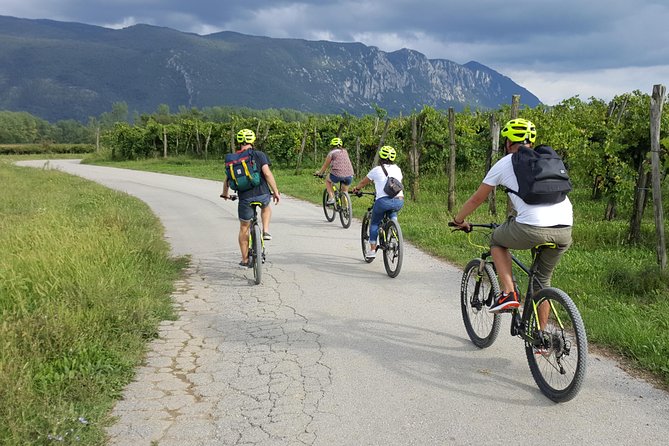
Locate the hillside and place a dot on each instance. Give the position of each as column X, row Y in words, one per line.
column 58, row 70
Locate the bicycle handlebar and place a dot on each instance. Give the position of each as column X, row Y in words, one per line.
column 361, row 193
column 230, row 197
column 319, row 175
column 470, row 227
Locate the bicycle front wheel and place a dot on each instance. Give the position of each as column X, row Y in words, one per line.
column 328, row 209
column 557, row 352
column 478, row 288
column 393, row 250
column 345, row 210
column 364, row 236
column 256, row 250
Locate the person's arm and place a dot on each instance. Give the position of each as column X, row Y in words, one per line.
column 226, row 187
column 326, row 163
column 269, row 177
column 472, row 204
column 364, row 182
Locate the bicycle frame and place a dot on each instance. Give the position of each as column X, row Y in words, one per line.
column 390, row 239
column 256, row 252
column 550, row 326
column 517, row 326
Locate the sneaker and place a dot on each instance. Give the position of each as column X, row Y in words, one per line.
column 246, row 264
column 330, row 201
column 505, row 303
column 370, row 254
column 266, row 236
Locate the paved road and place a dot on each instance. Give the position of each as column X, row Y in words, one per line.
column 330, row 351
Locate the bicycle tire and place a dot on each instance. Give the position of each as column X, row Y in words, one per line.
column 345, row 209
column 477, row 290
column 364, row 236
column 256, row 243
column 328, row 209
column 558, row 370
column 393, row 251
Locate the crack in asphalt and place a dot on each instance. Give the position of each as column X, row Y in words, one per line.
column 237, row 367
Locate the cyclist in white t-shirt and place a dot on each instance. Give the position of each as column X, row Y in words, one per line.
column 383, row 202
column 533, row 225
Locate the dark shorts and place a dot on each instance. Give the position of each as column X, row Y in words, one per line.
column 245, row 211
column 345, row 180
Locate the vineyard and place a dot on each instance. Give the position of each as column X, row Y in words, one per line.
column 606, row 146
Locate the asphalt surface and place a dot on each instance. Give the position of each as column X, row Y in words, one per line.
column 328, row 350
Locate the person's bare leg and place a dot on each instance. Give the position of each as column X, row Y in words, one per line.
column 244, row 239
column 266, row 216
column 502, row 258
column 328, row 186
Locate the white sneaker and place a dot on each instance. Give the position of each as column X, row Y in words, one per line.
column 330, row 201
column 370, row 254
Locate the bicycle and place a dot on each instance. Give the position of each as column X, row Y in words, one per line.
column 342, row 205
column 550, row 325
column 256, row 242
column 391, row 240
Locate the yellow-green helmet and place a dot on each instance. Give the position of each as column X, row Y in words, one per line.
column 246, row 136
column 336, row 142
column 387, row 153
column 519, row 130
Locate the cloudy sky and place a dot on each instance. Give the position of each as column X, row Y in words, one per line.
column 555, row 48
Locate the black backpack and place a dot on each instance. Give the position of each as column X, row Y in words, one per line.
column 541, row 174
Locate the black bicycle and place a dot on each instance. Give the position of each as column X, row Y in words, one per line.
column 256, row 242
column 341, row 205
column 556, row 345
column 390, row 239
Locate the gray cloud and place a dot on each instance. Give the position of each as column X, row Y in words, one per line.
column 546, row 37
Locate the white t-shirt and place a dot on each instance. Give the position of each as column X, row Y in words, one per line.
column 501, row 174
column 379, row 178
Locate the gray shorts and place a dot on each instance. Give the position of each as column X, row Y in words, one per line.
column 513, row 235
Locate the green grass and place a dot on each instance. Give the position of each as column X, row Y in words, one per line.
column 85, row 278
column 618, row 288
column 45, row 149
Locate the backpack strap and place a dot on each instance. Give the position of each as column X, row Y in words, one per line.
column 506, row 189
column 384, row 169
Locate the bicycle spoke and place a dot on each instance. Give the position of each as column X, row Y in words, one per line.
column 392, row 249
column 328, row 209
column 558, row 350
column 478, row 284
column 345, row 209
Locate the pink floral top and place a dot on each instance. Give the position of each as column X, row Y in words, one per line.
column 340, row 164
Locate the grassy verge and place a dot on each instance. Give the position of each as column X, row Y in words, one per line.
column 85, row 278
column 45, row 149
column 618, row 288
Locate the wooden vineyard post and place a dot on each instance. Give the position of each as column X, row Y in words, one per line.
column 451, row 160
column 656, row 102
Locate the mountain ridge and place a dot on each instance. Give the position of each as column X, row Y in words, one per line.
column 67, row 70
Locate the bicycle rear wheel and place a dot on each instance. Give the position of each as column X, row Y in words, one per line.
column 557, row 354
column 328, row 209
column 393, row 249
column 345, row 210
column 364, row 236
column 478, row 288
column 255, row 253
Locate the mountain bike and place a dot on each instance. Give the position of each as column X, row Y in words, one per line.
column 256, row 242
column 390, row 239
column 550, row 325
column 342, row 204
